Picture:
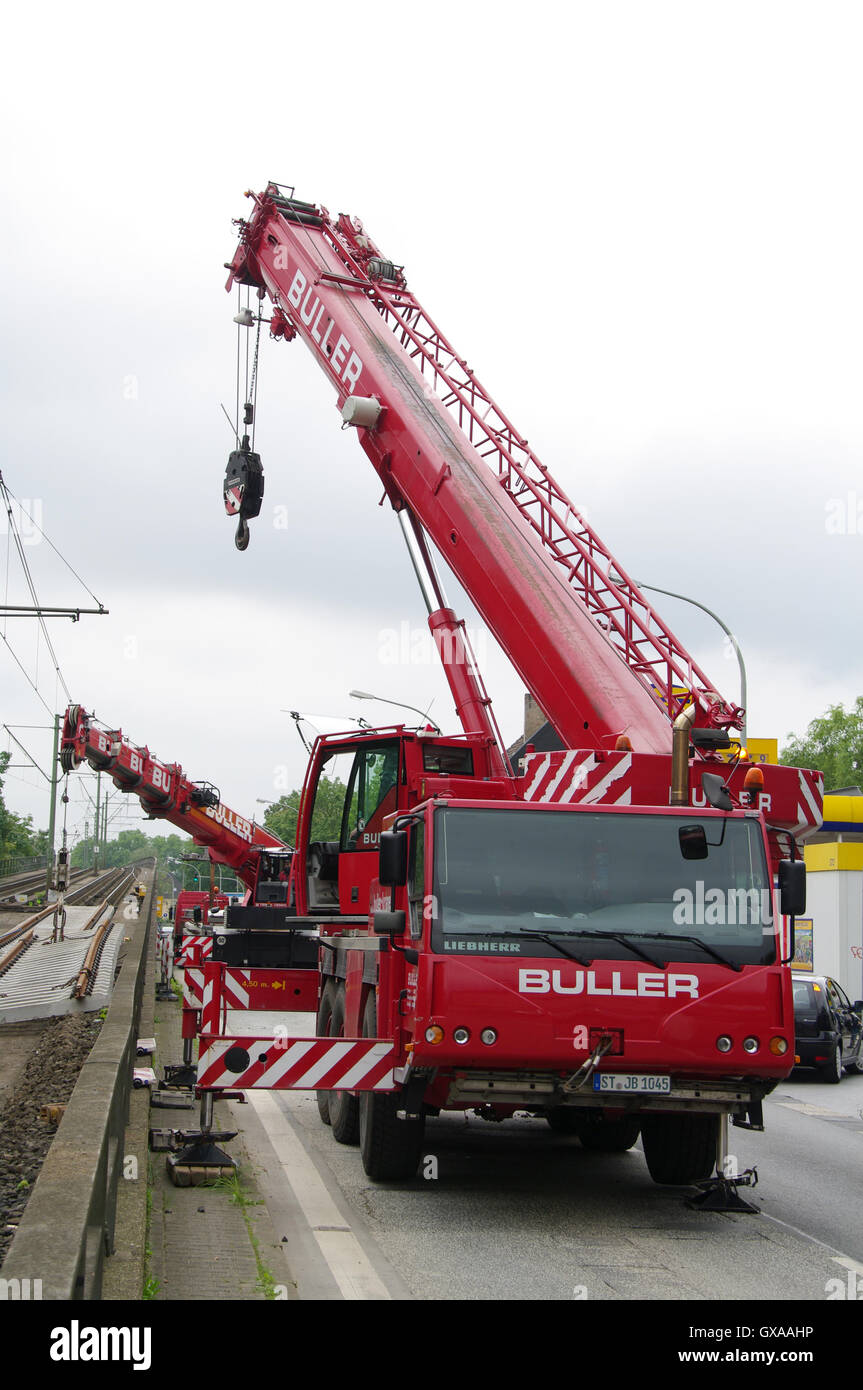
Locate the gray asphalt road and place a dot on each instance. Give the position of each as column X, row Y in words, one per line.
column 810, row 1159
column 514, row 1211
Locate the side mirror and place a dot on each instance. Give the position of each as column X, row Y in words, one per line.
column 693, row 841
column 716, row 792
column 393, row 860
column 792, row 887
column 389, row 923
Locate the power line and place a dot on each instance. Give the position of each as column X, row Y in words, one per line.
column 13, row 531
column 58, row 553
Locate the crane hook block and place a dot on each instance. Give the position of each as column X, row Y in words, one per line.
column 243, row 489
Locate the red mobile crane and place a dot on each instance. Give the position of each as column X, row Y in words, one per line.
column 584, row 864
column 255, row 855
column 165, row 792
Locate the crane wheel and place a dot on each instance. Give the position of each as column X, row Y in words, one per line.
column 344, row 1108
column 608, row 1136
column 323, row 1028
column 391, row 1148
column 680, row 1148
column 563, row 1120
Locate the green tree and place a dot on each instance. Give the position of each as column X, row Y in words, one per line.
column 833, row 744
column 17, row 836
column 282, row 816
column 170, row 852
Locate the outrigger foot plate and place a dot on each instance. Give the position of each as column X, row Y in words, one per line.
column 180, row 1075
column 202, row 1162
column 721, row 1194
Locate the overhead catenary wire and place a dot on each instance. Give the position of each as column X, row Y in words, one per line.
column 4, row 485
column 15, row 538
column 19, row 546
column 26, row 675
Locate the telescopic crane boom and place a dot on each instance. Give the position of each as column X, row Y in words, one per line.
column 583, row 638
column 166, row 793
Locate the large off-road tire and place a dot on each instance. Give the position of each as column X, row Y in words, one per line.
column 563, row 1120
column 832, row 1071
column 322, row 1030
column 680, row 1148
column 605, row 1136
column 344, row 1107
column 391, row 1148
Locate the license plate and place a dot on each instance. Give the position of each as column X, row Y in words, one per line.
column 631, row 1082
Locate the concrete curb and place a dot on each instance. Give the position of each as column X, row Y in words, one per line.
column 69, row 1223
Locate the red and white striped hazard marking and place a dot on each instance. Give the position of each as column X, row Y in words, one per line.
column 810, row 801
column 300, row 1064
column 224, row 988
column 194, row 950
column 579, row 776
column 791, row 797
column 193, row 987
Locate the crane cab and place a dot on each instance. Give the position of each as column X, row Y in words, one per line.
column 354, row 784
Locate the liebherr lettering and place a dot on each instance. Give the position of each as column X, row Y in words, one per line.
column 646, row 984
column 341, row 356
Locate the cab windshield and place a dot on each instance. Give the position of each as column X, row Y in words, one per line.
column 499, row 874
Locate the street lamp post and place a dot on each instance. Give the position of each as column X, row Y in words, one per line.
column 364, row 695
column 727, row 630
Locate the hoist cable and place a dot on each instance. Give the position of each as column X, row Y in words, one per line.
column 253, row 394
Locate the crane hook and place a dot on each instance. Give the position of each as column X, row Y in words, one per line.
column 241, row 539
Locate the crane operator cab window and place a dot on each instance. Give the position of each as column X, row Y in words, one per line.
column 356, row 789
column 274, row 870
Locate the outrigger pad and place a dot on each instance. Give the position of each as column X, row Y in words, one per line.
column 179, row 1075
column 720, row 1194
column 172, row 1100
column 202, row 1162
column 187, row 1140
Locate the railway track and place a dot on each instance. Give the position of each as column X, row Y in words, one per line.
column 51, row 962
column 31, row 885
column 84, row 890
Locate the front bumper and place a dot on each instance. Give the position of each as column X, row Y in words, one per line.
column 538, row 1089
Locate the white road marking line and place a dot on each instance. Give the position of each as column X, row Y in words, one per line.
column 805, row 1107
column 350, row 1267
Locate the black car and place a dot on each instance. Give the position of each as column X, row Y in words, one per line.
column 828, row 1027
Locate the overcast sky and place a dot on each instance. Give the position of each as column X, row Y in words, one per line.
column 641, row 225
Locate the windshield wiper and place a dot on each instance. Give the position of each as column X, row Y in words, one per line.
column 539, row 936
column 623, row 939
column 552, row 939
column 694, row 941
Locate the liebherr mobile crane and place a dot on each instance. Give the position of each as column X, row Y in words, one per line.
column 256, row 856
column 165, row 792
column 593, row 936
